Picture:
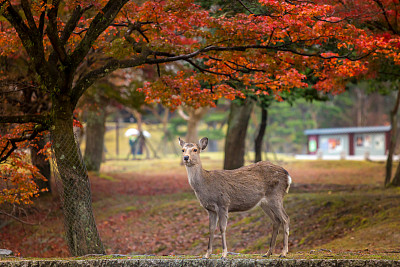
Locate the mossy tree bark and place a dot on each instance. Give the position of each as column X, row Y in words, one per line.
column 235, row 141
column 81, row 231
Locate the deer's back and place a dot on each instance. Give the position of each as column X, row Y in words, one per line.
column 243, row 188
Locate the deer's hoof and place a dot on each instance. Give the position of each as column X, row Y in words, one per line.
column 224, row 254
column 266, row 255
column 282, row 256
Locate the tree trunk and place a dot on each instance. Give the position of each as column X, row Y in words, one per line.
column 42, row 164
column 393, row 134
column 396, row 178
column 193, row 119
column 236, row 135
column 95, row 130
column 192, row 128
column 258, row 142
column 81, row 232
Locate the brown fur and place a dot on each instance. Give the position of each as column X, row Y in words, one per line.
column 223, row 191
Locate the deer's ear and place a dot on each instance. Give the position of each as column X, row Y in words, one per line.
column 181, row 142
column 203, row 142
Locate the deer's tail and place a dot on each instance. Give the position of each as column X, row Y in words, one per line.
column 289, row 182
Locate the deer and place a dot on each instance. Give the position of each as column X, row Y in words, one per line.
column 222, row 191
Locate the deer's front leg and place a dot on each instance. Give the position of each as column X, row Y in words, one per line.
column 212, row 219
column 223, row 221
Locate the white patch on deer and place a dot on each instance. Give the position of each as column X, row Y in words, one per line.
column 289, row 182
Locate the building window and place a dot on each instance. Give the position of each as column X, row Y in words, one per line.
column 332, row 144
column 335, row 144
column 363, row 140
column 312, row 145
column 359, row 141
column 379, row 142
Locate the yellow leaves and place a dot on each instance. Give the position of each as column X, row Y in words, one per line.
column 17, row 185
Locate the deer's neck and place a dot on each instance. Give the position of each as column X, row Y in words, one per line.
column 195, row 176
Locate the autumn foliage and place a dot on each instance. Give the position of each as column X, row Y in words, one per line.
column 17, row 174
column 265, row 50
column 275, row 49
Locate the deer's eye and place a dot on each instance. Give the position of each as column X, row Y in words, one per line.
column 195, row 150
column 183, row 150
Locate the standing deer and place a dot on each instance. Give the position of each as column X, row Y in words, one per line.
column 224, row 191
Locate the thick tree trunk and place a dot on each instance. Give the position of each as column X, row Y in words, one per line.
column 95, row 130
column 258, row 142
column 39, row 160
column 81, row 232
column 236, row 135
column 393, row 134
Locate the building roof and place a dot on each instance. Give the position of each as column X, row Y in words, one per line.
column 371, row 129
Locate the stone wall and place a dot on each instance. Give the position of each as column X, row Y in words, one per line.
column 197, row 262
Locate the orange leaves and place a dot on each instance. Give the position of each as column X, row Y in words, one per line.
column 9, row 46
column 185, row 87
column 17, row 184
column 17, row 175
column 334, row 73
column 264, row 52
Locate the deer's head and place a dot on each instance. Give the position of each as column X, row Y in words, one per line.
column 191, row 151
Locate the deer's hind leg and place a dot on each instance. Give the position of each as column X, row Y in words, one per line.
column 274, row 208
column 275, row 226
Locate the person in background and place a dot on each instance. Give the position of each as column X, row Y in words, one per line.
column 132, row 144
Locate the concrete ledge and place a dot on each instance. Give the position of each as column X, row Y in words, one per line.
column 199, row 262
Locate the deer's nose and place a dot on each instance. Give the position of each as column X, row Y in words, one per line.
column 186, row 157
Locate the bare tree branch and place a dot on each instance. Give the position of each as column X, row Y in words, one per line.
column 384, row 12
column 25, row 119
column 72, row 22
column 100, row 22
column 87, row 80
column 28, row 14
column 16, row 218
column 41, row 19
column 13, row 142
column 52, row 33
